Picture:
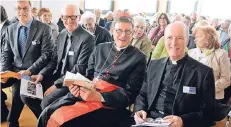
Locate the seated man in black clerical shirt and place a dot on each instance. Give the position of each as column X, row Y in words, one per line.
column 177, row 88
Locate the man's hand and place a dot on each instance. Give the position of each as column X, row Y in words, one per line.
column 37, row 78
column 140, row 116
column 75, row 90
column 25, row 72
column 90, row 95
column 4, row 80
column 50, row 90
column 175, row 120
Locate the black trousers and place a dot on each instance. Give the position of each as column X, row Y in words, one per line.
column 98, row 118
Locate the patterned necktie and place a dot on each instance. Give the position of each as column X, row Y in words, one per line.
column 68, row 46
column 22, row 40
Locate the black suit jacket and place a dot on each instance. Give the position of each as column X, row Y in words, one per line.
column 38, row 48
column 101, row 22
column 82, row 45
column 196, row 110
column 3, row 31
column 102, row 35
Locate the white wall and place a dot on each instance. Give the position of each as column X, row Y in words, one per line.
column 54, row 5
column 9, row 5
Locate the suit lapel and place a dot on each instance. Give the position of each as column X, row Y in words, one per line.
column 17, row 26
column 76, row 36
column 158, row 76
column 61, row 44
column 186, row 77
column 32, row 32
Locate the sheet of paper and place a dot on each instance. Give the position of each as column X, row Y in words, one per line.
column 28, row 88
column 154, row 123
column 77, row 79
column 78, row 76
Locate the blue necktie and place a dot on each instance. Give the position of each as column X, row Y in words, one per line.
column 22, row 40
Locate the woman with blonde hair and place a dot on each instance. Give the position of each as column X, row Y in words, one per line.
column 208, row 52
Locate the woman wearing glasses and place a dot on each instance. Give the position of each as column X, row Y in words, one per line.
column 158, row 32
column 139, row 38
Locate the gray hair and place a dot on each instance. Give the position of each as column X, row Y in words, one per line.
column 139, row 19
column 124, row 19
column 109, row 13
column 72, row 6
column 24, row 1
column 88, row 15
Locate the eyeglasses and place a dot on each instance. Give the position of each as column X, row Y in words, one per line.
column 24, row 9
column 127, row 32
column 72, row 17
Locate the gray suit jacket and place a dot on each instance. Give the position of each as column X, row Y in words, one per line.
column 38, row 48
column 82, row 47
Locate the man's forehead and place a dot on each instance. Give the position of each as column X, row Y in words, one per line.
column 175, row 32
column 123, row 25
column 69, row 11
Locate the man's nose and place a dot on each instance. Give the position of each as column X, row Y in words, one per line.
column 123, row 34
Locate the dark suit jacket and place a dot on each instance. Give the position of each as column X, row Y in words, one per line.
column 102, row 35
column 3, row 30
column 38, row 48
column 82, row 45
column 196, row 110
column 102, row 22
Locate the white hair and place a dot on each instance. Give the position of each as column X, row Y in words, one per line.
column 88, row 15
column 72, row 6
column 139, row 19
column 109, row 13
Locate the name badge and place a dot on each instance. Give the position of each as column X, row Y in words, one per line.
column 189, row 90
column 71, row 53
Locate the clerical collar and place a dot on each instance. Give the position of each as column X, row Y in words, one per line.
column 179, row 62
column 119, row 49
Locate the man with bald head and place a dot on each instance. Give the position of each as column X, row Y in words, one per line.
column 71, row 52
column 177, row 88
